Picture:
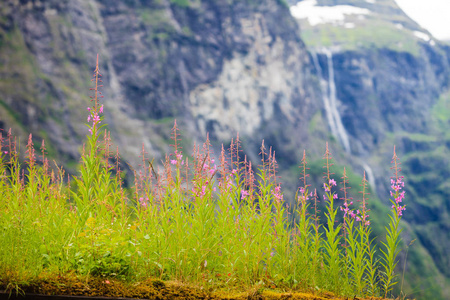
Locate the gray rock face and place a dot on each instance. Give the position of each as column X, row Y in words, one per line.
column 383, row 91
column 40, row 62
column 222, row 67
column 163, row 61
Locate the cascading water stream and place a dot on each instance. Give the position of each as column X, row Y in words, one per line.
column 328, row 88
column 326, row 99
column 341, row 132
column 370, row 175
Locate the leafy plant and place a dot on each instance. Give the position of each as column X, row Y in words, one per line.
column 393, row 231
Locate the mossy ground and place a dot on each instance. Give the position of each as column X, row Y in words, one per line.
column 153, row 288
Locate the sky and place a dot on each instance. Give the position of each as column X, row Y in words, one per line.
column 432, row 15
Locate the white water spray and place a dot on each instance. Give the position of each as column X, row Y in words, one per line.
column 330, row 101
column 370, row 176
column 326, row 99
column 341, row 132
column 328, row 88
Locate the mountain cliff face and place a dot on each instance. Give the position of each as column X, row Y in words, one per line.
column 389, row 97
column 218, row 66
column 391, row 81
column 364, row 82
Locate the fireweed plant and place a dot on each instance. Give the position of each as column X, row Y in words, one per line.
column 391, row 250
column 210, row 219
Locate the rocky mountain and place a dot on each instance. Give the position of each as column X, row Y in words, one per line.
column 364, row 79
column 217, row 66
column 385, row 80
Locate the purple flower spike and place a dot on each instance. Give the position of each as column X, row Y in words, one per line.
column 398, row 195
column 244, row 194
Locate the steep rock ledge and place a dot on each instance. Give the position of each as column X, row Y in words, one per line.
column 222, row 66
column 160, row 61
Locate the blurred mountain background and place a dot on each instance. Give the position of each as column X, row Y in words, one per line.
column 358, row 74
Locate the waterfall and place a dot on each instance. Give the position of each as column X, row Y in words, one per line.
column 370, row 176
column 326, row 99
column 339, row 127
column 328, row 88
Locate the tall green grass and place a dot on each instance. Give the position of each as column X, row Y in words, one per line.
column 210, row 219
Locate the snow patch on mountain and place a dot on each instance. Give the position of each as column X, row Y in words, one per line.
column 423, row 36
column 308, row 9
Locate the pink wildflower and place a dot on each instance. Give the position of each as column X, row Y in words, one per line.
column 352, row 214
column 346, row 210
column 400, row 209
column 143, row 202
column 244, row 194
column 203, row 192
column 213, row 170
column 277, row 193
column 398, row 196
column 96, row 118
column 101, row 109
column 332, row 182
